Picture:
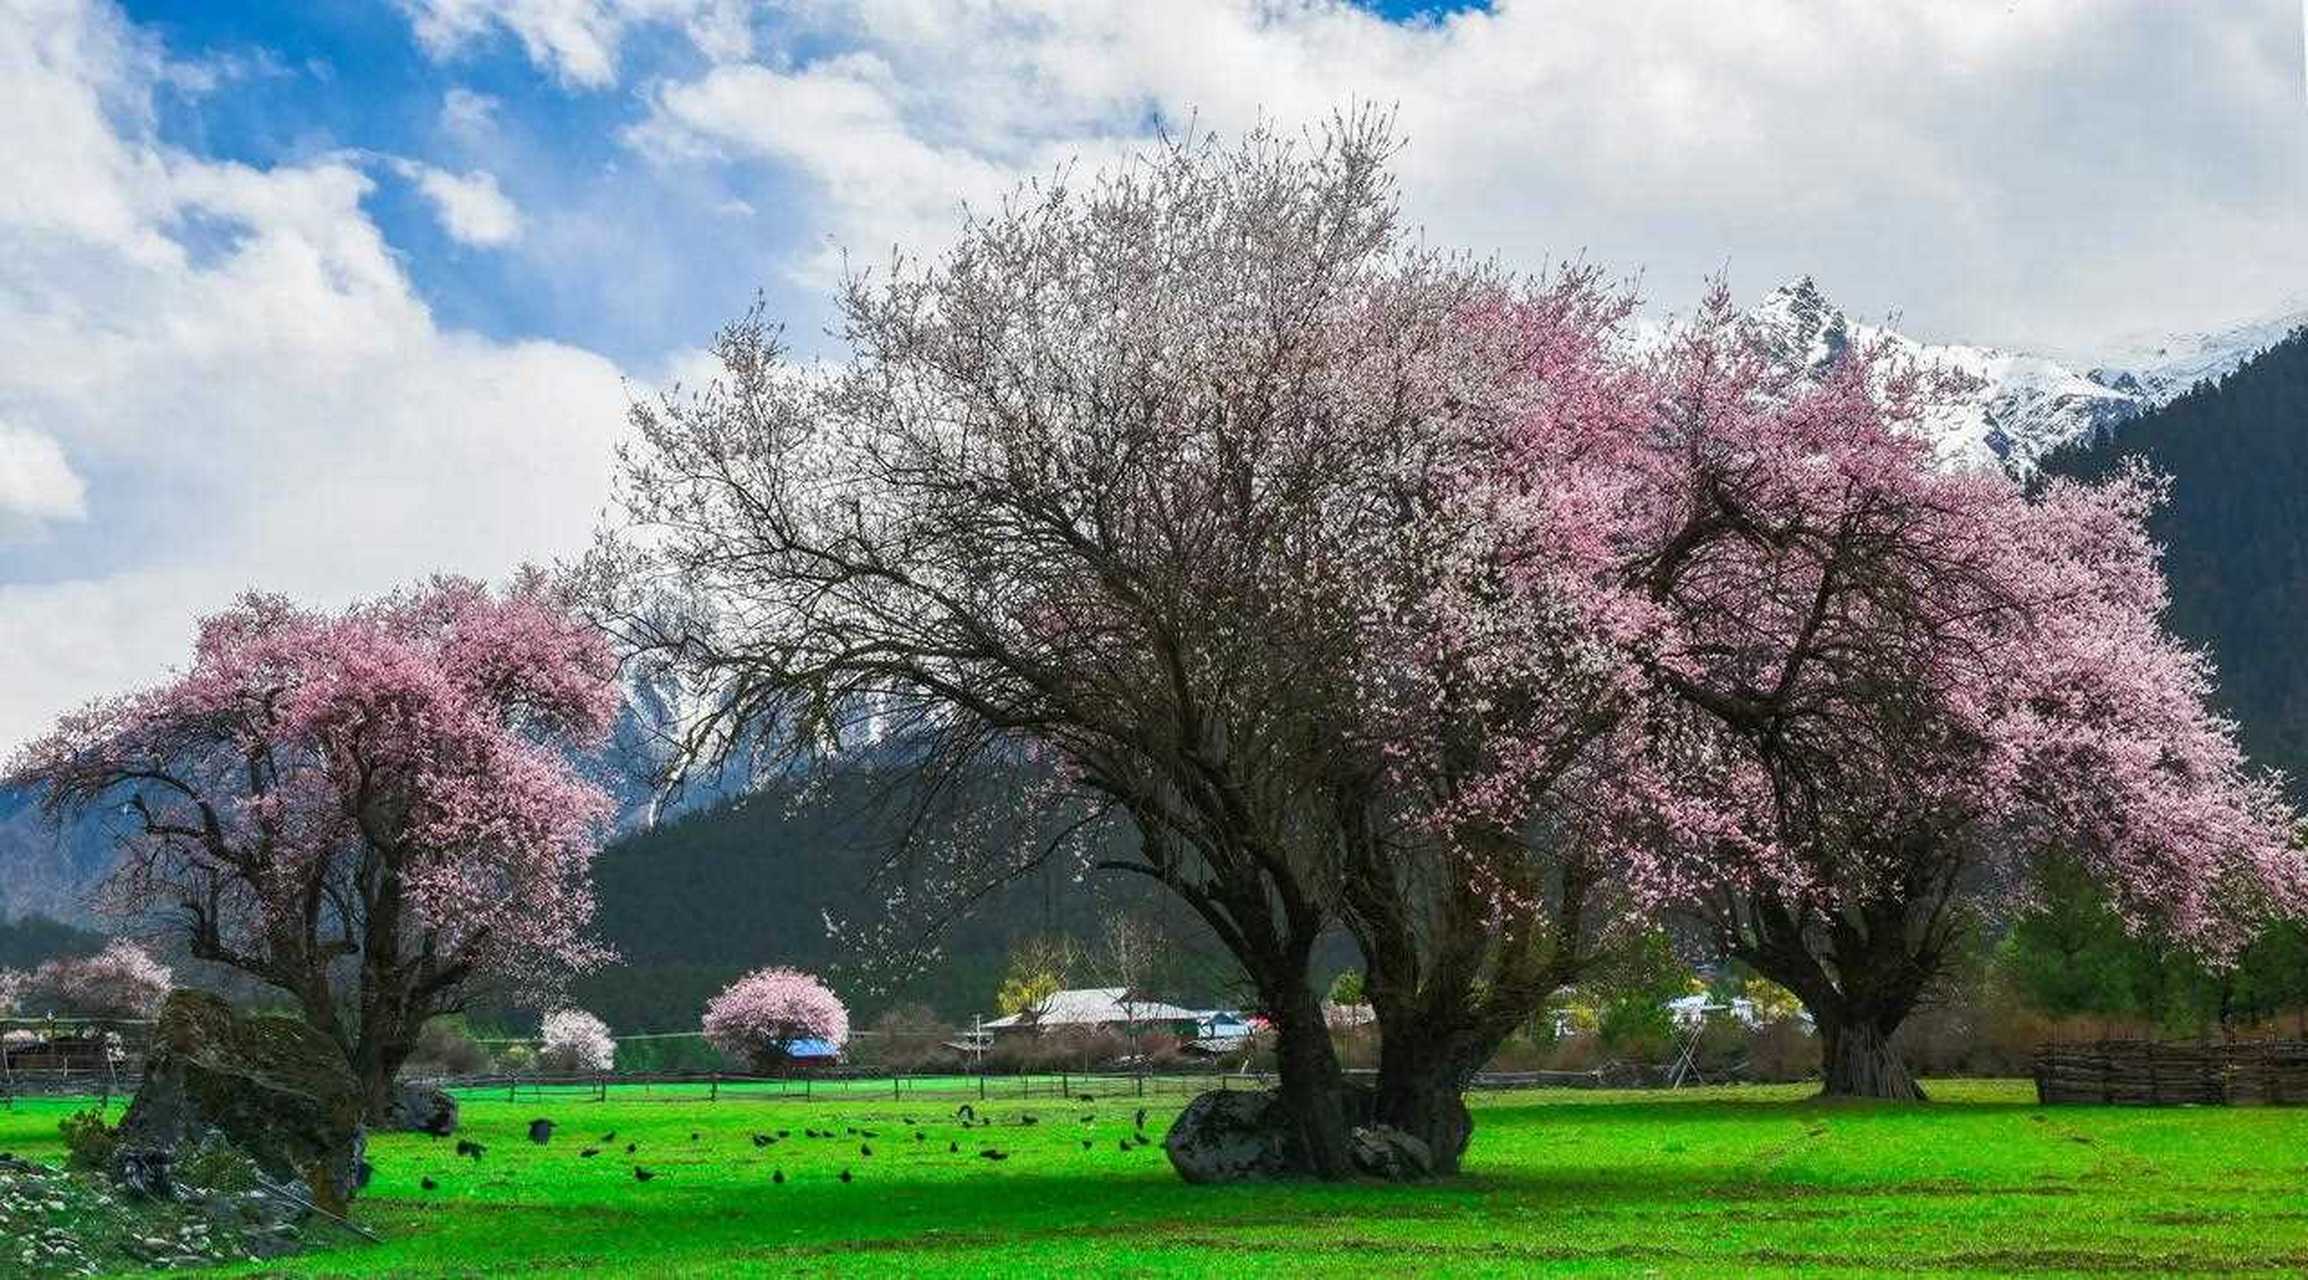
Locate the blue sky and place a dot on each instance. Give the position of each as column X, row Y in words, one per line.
column 323, row 76
column 323, row 295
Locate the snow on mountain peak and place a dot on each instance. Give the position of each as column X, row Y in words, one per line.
column 2020, row 407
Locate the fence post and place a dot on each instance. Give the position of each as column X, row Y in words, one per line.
column 893, row 1086
column 981, row 1084
column 713, row 1093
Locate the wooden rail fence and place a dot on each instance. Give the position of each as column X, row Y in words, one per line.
column 2148, row 1073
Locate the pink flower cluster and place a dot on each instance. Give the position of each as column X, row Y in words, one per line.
column 763, row 1013
column 1832, row 670
column 121, row 981
column 402, row 765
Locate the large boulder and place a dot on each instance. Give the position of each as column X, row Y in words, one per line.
column 277, row 1090
column 1235, row 1135
column 421, row 1108
column 1239, row 1136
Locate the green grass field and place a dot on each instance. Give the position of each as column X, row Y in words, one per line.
column 1737, row 1181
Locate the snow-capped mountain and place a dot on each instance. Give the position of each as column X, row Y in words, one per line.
column 2162, row 369
column 2021, row 407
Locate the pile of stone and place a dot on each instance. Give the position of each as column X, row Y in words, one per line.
column 54, row 1222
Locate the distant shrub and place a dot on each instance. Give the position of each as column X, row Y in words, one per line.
column 90, row 1142
column 1783, row 1050
column 907, row 1038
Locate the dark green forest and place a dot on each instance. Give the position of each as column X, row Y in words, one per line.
column 2236, row 533
column 753, row 881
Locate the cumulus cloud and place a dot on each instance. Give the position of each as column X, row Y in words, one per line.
column 472, row 208
column 37, row 485
column 2044, row 173
column 239, row 355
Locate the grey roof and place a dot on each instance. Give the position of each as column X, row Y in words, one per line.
column 1093, row 1006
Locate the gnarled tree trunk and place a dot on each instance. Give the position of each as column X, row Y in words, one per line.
column 1421, row 1088
column 1311, row 1086
column 1857, row 1060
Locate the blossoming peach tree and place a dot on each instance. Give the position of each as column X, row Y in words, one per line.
column 372, row 811
column 574, row 1040
column 1158, row 493
column 120, row 981
column 1883, row 694
column 760, row 1017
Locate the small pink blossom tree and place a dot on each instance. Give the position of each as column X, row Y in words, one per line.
column 121, row 981
column 372, row 811
column 759, row 1017
column 574, row 1040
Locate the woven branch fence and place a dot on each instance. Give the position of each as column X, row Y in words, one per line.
column 2148, row 1073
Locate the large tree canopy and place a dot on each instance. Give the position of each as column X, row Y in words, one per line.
column 371, row 811
column 1169, row 486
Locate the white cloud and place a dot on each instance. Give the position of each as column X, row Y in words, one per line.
column 2047, row 172
column 472, row 208
column 37, row 485
column 578, row 40
column 268, row 401
column 467, row 115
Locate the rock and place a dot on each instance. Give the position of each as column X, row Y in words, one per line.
column 274, row 1088
column 143, row 1171
column 1383, row 1151
column 1234, row 1136
column 421, row 1108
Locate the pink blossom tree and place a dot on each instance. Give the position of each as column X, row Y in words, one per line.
column 758, row 1018
column 1886, row 692
column 574, row 1040
column 372, row 811
column 1158, row 492
column 121, row 981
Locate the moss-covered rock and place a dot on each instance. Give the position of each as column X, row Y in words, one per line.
column 275, row 1088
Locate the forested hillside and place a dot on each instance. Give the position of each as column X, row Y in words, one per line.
column 753, row 881
column 2237, row 533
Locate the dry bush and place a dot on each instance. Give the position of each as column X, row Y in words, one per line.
column 444, row 1049
column 1782, row 1051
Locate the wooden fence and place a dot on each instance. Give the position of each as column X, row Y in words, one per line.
column 2148, row 1073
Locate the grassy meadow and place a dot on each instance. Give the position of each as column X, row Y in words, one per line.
column 1745, row 1181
